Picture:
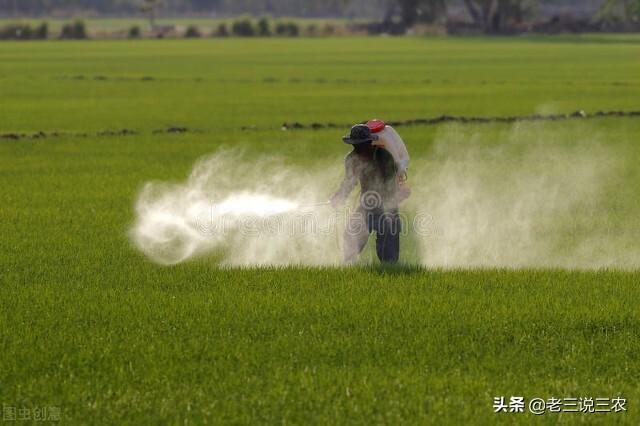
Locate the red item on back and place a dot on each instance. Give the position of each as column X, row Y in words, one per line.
column 376, row 125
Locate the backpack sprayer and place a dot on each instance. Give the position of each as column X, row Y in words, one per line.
column 391, row 141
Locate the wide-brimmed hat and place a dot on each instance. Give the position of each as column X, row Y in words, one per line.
column 360, row 133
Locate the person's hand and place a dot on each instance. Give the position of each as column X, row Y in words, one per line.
column 335, row 201
column 404, row 191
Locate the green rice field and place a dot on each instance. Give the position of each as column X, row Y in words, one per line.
column 528, row 288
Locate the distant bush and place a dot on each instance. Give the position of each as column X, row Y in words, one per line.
column 134, row 32
column 15, row 32
column 42, row 31
column 27, row 33
column 264, row 29
column 294, row 30
column 243, row 28
column 287, row 29
column 281, row 29
column 329, row 30
column 23, row 32
column 67, row 31
column 192, row 32
column 80, row 29
column 222, row 31
column 311, row 30
column 75, row 30
column 390, row 28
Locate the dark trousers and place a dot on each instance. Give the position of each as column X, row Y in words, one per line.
column 386, row 225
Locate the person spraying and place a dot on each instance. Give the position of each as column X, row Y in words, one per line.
column 378, row 162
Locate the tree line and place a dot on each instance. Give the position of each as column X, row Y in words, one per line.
column 116, row 7
column 490, row 15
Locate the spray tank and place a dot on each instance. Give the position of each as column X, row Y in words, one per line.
column 391, row 141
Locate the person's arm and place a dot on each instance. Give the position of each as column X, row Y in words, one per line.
column 348, row 183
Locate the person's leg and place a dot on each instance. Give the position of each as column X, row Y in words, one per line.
column 388, row 237
column 356, row 234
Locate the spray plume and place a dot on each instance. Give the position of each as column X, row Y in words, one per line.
column 532, row 196
column 258, row 212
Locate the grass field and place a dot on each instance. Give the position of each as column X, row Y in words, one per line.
column 91, row 326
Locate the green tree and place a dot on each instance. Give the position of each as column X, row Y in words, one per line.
column 150, row 8
column 410, row 12
column 264, row 29
column 492, row 15
column 619, row 10
column 429, row 11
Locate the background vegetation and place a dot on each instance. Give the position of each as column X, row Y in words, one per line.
column 391, row 16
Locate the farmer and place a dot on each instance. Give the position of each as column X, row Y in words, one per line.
column 382, row 188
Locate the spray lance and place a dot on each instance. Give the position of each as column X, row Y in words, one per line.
column 313, row 205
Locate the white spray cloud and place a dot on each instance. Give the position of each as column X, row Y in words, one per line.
column 535, row 197
column 250, row 212
column 529, row 198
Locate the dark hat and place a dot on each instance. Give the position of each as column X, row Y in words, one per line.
column 360, row 133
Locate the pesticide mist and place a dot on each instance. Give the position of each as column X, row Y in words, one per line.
column 246, row 211
column 528, row 195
